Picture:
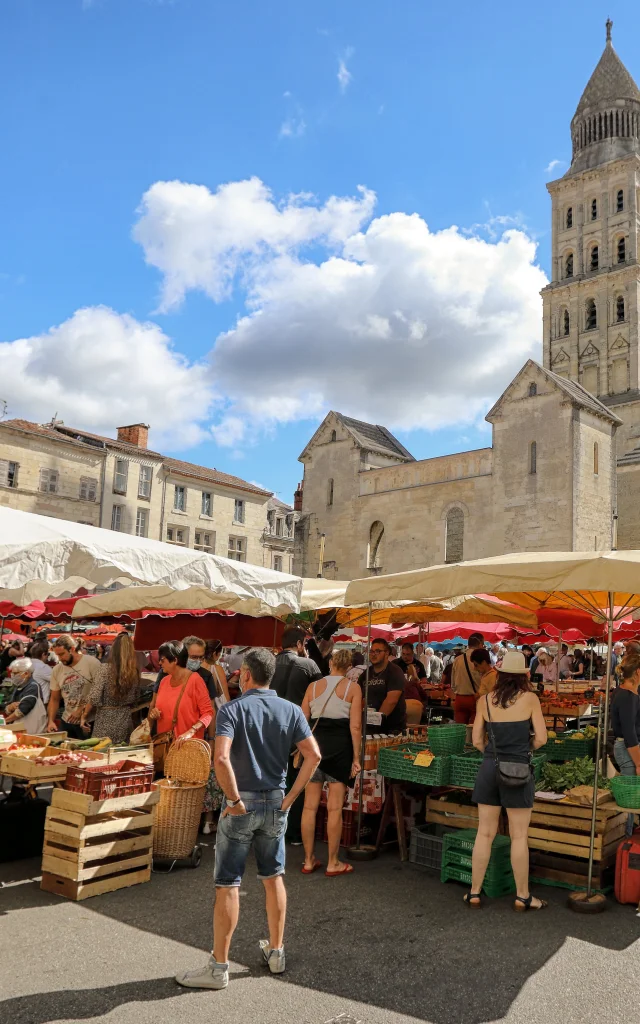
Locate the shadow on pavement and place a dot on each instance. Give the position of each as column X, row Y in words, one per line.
column 81, row 1004
column 390, row 935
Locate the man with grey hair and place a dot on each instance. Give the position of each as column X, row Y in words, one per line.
column 254, row 735
column 25, row 705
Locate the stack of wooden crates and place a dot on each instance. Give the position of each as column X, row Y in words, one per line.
column 96, row 846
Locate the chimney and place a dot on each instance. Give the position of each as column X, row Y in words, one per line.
column 297, row 498
column 137, row 433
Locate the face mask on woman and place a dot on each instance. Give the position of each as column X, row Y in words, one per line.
column 194, row 664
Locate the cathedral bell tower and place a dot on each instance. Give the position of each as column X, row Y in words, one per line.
column 591, row 305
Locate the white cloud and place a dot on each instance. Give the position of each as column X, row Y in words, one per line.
column 203, row 240
column 390, row 322
column 344, row 75
column 99, row 369
column 553, row 164
column 292, row 128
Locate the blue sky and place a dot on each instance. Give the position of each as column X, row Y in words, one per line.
column 450, row 113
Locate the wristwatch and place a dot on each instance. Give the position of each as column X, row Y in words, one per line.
column 233, row 803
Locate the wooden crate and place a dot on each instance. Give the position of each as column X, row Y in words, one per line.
column 448, row 812
column 93, row 847
column 21, row 767
column 571, row 871
column 565, row 828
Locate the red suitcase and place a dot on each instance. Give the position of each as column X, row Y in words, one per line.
column 627, row 888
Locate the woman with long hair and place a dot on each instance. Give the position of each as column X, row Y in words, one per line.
column 214, row 797
column 211, row 661
column 333, row 708
column 115, row 692
column 502, row 730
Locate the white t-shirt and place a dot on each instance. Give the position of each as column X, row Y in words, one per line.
column 74, row 682
column 42, row 675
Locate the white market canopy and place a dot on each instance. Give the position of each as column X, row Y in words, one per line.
column 42, row 557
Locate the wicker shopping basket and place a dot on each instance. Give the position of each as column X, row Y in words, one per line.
column 182, row 793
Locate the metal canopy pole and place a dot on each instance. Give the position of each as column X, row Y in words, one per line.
column 589, row 902
column 607, row 689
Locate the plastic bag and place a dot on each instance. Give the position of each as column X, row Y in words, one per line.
column 142, row 734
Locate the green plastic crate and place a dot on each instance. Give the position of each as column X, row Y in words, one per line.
column 464, row 838
column 626, row 791
column 397, row 763
column 497, row 868
column 447, row 739
column 465, row 767
column 563, row 748
column 492, row 889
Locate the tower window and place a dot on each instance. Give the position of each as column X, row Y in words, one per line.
column 330, row 491
column 620, row 201
column 594, row 261
column 533, row 457
column 334, row 436
column 533, row 389
column 568, row 265
column 594, row 209
column 374, row 552
column 595, row 458
column 622, row 250
column 591, row 315
column 570, row 217
column 619, row 309
column 565, row 323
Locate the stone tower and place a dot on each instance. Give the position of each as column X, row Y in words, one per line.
column 591, row 305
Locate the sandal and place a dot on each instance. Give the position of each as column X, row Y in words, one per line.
column 526, row 904
column 309, row 871
column 346, row 869
column 473, row 896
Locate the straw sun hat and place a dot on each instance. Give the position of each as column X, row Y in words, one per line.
column 514, row 663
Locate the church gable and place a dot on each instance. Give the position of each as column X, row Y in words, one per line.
column 620, row 346
column 531, row 382
column 590, row 352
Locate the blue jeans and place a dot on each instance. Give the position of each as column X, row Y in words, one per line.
column 263, row 827
column 627, row 766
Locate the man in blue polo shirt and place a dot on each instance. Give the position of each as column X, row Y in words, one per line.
column 254, row 736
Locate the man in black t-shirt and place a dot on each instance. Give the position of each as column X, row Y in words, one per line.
column 408, row 658
column 386, row 689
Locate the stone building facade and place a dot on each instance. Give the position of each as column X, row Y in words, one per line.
column 565, row 453
column 120, row 484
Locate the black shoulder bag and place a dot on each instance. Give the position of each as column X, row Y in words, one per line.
column 471, row 679
column 509, row 773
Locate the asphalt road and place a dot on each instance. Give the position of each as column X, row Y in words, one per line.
column 388, row 945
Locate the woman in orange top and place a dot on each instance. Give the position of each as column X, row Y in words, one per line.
column 194, row 710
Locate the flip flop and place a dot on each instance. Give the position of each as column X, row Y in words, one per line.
column 309, row 871
column 346, row 870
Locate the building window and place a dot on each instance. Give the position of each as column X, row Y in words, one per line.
column 533, row 389
column 117, row 518
column 142, row 522
column 620, row 201
column 8, row 473
column 238, row 511
column 206, row 504
column 533, row 457
column 595, row 258
column 330, row 491
column 144, row 482
column 374, row 552
column 622, row 250
column 176, row 535
column 595, row 458
column 454, row 535
column 49, row 481
column 179, row 498
column 566, row 323
column 205, row 542
column 277, row 563
column 237, row 549
column 620, row 309
column 594, row 209
column 88, row 488
column 570, row 217
column 568, row 265
column 120, row 476
column 279, row 526
column 591, row 315
column 334, row 436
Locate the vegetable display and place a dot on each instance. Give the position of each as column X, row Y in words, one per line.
column 557, row 778
column 67, row 757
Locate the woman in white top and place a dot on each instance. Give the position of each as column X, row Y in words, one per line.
column 333, row 708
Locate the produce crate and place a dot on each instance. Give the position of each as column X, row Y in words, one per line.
column 571, row 872
column 456, row 862
column 447, row 739
column 25, row 768
column 425, row 847
column 563, row 748
column 626, row 791
column 492, row 889
column 564, row 828
column 123, row 778
column 465, row 839
column 349, row 824
column 465, row 767
column 397, row 763
column 104, row 846
column 451, row 811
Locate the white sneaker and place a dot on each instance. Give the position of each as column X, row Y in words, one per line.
column 273, row 957
column 213, row 975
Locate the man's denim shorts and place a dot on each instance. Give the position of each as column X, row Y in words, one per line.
column 263, row 827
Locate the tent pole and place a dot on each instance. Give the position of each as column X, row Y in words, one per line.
column 607, row 690
column 594, row 810
column 559, row 652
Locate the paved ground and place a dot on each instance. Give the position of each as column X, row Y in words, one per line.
column 389, row 945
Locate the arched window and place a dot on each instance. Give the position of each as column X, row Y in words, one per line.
column 590, row 315
column 330, row 491
column 374, row 553
column 620, row 201
column 568, row 265
column 334, row 436
column 454, row 535
column 622, row 250
column 533, row 457
column 620, row 309
column 533, row 389
column 570, row 217
column 565, row 323
column 595, row 458
column 594, row 258
column 594, row 209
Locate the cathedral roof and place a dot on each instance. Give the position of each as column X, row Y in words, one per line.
column 375, row 438
column 609, row 82
column 579, row 396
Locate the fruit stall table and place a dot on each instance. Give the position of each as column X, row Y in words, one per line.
column 29, row 768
